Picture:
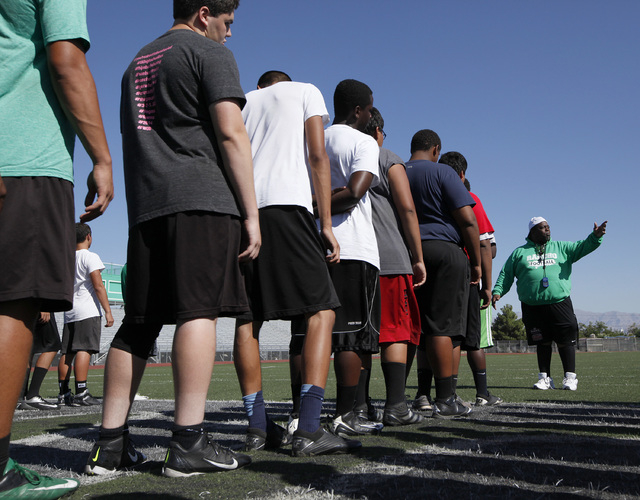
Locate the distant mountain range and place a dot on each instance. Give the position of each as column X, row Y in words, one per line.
column 613, row 319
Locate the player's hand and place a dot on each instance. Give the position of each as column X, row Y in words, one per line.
column 251, row 239
column 109, row 318
column 494, row 299
column 3, row 193
column 100, row 189
column 476, row 275
column 600, row 230
column 485, row 298
column 419, row 274
column 45, row 317
column 331, row 246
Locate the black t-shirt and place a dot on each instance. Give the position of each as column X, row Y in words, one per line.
column 171, row 158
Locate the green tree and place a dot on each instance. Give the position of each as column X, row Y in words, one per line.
column 507, row 325
column 633, row 330
column 598, row 329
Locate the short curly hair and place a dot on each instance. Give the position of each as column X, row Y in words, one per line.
column 184, row 9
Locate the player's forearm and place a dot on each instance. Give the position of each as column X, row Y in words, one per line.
column 321, row 179
column 77, row 94
column 411, row 229
column 486, row 263
column 101, row 293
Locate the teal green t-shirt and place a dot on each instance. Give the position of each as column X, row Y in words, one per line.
column 36, row 139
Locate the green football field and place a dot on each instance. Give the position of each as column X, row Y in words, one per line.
column 537, row 444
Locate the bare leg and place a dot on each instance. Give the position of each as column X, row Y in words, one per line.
column 477, row 360
column 81, row 367
column 45, row 359
column 64, row 366
column 122, row 375
column 194, row 349
column 316, row 353
column 440, row 355
column 17, row 320
column 246, row 356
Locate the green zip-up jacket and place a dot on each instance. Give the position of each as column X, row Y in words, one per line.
column 529, row 264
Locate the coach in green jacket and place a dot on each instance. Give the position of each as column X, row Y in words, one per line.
column 542, row 269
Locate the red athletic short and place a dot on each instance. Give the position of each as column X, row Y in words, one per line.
column 400, row 321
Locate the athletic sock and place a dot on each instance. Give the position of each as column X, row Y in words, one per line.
column 311, row 398
column 543, row 353
column 109, row 434
column 425, row 377
column 394, row 382
column 568, row 357
column 186, row 435
column 64, row 386
column 36, row 382
column 4, row 453
column 480, row 380
column 362, row 394
column 256, row 413
column 81, row 386
column 444, row 388
column 295, row 397
column 345, row 398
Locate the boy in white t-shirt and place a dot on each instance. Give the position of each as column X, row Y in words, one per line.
column 289, row 279
column 81, row 333
column 353, row 156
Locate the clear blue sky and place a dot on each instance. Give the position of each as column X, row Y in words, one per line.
column 541, row 97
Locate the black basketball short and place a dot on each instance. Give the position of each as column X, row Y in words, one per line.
column 550, row 323
column 46, row 337
column 357, row 325
column 83, row 335
column 471, row 341
column 444, row 298
column 290, row 276
column 37, row 242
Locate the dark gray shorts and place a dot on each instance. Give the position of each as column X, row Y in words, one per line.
column 37, row 242
column 290, row 276
column 81, row 335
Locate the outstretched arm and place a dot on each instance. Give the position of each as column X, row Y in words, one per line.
column 235, row 149
column 76, row 92
column 321, row 179
column 600, row 230
column 406, row 210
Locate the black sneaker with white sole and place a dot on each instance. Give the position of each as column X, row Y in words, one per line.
column 401, row 414
column 321, row 442
column 110, row 455
column 203, row 457
column 86, row 399
column 450, row 408
column 41, row 404
column 274, row 437
column 67, row 399
column 350, row 424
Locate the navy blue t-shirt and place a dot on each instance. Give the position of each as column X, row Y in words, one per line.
column 437, row 191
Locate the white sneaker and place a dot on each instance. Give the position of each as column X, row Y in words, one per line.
column 570, row 381
column 292, row 426
column 544, row 382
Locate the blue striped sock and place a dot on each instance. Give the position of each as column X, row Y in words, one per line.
column 311, row 398
column 254, row 406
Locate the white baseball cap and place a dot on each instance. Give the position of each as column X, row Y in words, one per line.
column 535, row 221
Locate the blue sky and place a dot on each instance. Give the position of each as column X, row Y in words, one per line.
column 541, row 97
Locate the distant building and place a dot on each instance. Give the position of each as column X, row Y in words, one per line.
column 112, row 282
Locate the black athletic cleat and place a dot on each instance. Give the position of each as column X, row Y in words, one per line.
column 108, row 456
column 205, row 456
column 321, row 442
column 85, row 399
column 423, row 403
column 351, row 424
column 274, row 437
column 401, row 415
column 41, row 404
column 450, row 408
column 487, row 400
column 67, row 399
